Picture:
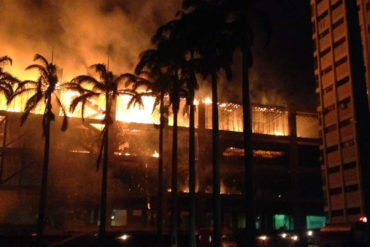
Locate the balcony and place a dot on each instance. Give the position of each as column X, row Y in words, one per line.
column 353, row 199
column 337, row 201
column 333, row 158
column 322, row 6
column 344, row 90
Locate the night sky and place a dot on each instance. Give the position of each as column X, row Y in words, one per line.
column 282, row 72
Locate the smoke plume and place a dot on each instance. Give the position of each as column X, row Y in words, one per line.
column 76, row 34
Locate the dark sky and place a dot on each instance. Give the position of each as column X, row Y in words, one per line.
column 288, row 55
column 282, row 72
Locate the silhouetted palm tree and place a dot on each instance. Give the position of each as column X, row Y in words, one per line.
column 7, row 81
column 107, row 85
column 148, row 74
column 164, row 59
column 210, row 47
column 44, row 90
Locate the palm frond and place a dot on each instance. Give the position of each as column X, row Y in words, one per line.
column 82, row 99
column 38, row 67
column 136, row 100
column 5, row 60
column 20, row 92
column 100, row 69
column 42, row 59
column 84, row 79
column 22, row 84
column 31, row 104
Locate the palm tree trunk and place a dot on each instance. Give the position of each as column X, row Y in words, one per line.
column 248, row 155
column 192, row 175
column 44, row 181
column 104, row 185
column 160, row 170
column 174, row 177
column 216, row 167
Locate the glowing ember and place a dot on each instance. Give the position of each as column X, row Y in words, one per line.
column 155, row 154
column 207, row 101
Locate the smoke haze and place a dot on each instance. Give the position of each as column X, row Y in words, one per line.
column 80, row 33
column 83, row 32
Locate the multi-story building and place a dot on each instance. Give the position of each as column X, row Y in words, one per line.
column 287, row 169
column 340, row 33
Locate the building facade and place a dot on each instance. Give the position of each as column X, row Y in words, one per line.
column 340, row 33
column 287, row 171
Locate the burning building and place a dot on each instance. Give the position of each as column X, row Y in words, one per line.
column 285, row 151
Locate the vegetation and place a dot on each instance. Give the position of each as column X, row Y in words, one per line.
column 43, row 91
column 107, row 85
column 7, row 81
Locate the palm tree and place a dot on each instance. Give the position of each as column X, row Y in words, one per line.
column 163, row 59
column 107, row 85
column 231, row 20
column 148, row 74
column 7, row 81
column 173, row 32
column 44, row 89
column 210, row 52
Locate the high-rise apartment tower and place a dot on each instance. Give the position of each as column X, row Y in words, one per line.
column 340, row 34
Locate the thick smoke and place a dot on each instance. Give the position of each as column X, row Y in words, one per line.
column 84, row 32
column 79, row 33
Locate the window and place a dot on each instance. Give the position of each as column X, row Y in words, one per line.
column 283, row 222
column 322, row 16
column 349, row 165
column 340, row 61
column 353, row 211
column 315, row 63
column 334, row 169
column 345, row 122
column 342, row 81
column 336, row 5
column 325, row 71
column 328, row 89
column 348, row 144
column 329, row 109
column 336, row 213
column 339, row 42
column 324, row 52
column 351, row 188
column 335, row 191
column 330, row 128
column 343, row 104
column 313, row 27
column 323, row 34
column 338, row 23
column 332, row 149
column 315, row 221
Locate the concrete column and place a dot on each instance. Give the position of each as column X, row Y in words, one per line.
column 296, row 201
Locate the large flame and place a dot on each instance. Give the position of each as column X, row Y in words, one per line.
column 265, row 120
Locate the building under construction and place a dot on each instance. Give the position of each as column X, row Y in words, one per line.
column 286, row 162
